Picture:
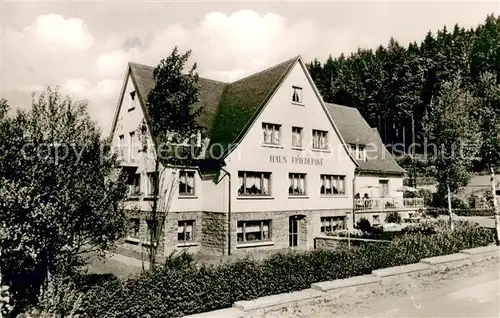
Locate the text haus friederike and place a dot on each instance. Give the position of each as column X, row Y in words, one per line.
column 291, row 173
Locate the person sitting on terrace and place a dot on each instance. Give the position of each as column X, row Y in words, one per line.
column 366, row 200
column 357, row 199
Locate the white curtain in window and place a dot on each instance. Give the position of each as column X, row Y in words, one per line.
column 240, row 228
column 324, row 222
column 302, row 185
column 265, row 230
column 341, row 185
column 296, row 138
column 328, row 183
column 190, row 183
column 276, row 135
column 249, row 181
column 252, row 227
column 180, row 228
column 240, row 179
column 257, row 182
column 265, row 185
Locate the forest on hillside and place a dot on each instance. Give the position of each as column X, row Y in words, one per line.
column 394, row 86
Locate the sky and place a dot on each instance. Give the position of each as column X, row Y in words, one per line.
column 84, row 46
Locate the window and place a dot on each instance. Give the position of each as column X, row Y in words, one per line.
column 358, row 151
column 331, row 184
column 332, row 223
column 297, row 184
column 185, row 231
column 296, row 95
column 150, row 224
column 296, row 137
column 361, row 155
column 384, row 188
column 135, row 226
column 131, row 105
column 320, row 139
column 186, row 183
column 151, row 183
column 251, row 231
column 271, row 134
column 254, row 183
column 135, row 184
column 122, row 145
column 132, row 144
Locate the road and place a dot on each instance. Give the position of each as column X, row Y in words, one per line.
column 477, row 296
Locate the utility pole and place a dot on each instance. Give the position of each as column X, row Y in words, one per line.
column 414, row 166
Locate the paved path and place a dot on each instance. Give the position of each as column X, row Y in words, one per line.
column 478, row 296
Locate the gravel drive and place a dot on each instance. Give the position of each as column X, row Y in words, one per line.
column 405, row 294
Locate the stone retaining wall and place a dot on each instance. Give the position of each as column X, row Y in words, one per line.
column 259, row 306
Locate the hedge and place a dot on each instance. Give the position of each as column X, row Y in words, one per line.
column 184, row 287
column 462, row 212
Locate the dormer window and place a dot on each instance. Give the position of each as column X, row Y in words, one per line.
column 296, row 95
column 131, row 105
column 361, row 153
column 358, row 151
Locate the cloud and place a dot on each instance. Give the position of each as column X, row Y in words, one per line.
column 102, row 96
column 53, row 29
column 225, row 46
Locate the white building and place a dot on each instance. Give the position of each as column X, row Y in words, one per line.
column 280, row 166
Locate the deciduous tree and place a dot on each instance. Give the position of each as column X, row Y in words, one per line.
column 171, row 113
column 454, row 133
column 488, row 115
column 60, row 192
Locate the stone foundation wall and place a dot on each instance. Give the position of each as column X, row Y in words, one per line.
column 309, row 227
column 214, row 233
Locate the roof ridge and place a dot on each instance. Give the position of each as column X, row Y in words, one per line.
column 141, row 65
column 266, row 70
column 153, row 68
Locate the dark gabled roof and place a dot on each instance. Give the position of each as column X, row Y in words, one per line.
column 228, row 109
column 242, row 102
column 355, row 130
column 209, row 95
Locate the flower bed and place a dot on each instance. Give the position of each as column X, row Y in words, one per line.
column 182, row 287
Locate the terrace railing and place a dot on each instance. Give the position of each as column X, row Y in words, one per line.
column 388, row 203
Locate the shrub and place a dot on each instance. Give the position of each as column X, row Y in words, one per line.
column 364, row 225
column 182, row 288
column 426, row 194
column 393, row 217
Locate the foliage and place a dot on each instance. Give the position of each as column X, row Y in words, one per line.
column 172, row 110
column 364, row 225
column 451, row 127
column 426, row 195
column 393, row 84
column 487, row 114
column 393, row 217
column 171, row 103
column 184, row 288
column 60, row 193
column 463, row 212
